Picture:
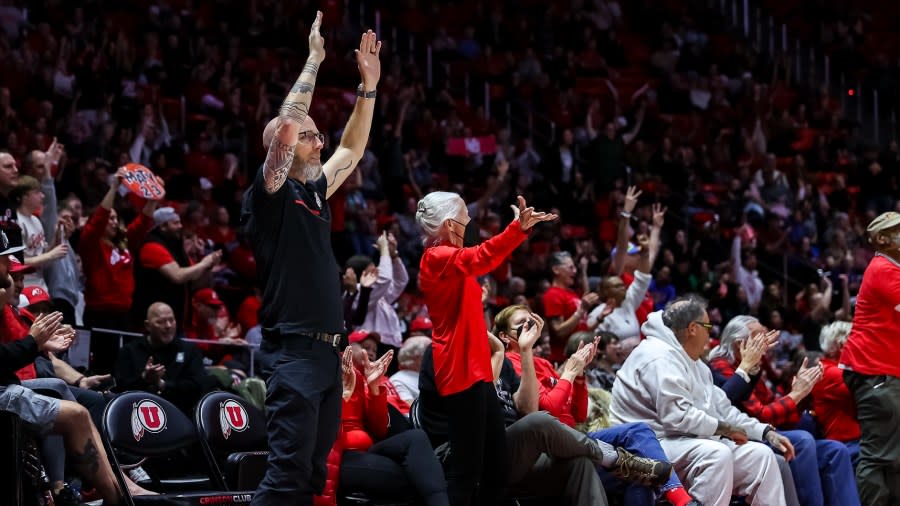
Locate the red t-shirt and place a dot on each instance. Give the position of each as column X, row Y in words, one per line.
column 566, row 401
column 874, row 343
column 562, row 303
column 448, row 280
column 834, row 406
column 154, row 255
column 364, row 416
column 248, row 312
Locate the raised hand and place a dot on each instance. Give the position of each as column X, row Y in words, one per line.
column 528, row 217
column 348, row 374
column 392, row 245
column 382, row 245
column 316, row 42
column 375, row 370
column 754, row 348
column 368, row 278
column 805, row 380
column 659, row 215
column 367, row 60
column 531, row 332
column 631, row 199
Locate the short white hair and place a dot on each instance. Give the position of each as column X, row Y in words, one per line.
column 737, row 330
column 434, row 209
column 412, row 350
column 833, row 336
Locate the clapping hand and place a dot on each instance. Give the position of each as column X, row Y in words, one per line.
column 43, row 330
column 528, row 217
column 754, row 348
column 374, row 371
column 805, row 380
column 348, row 374
column 368, row 278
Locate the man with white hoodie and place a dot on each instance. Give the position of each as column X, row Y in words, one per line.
column 666, row 385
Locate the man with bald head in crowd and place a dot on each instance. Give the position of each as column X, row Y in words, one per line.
column 163, row 364
column 288, row 221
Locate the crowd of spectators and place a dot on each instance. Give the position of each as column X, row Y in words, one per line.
column 764, row 186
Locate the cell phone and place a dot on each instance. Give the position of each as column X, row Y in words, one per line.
column 525, row 326
column 106, row 385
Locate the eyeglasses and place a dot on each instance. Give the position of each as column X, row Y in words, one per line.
column 309, row 135
column 707, row 326
column 459, row 222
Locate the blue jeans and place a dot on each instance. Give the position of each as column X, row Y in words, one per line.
column 303, row 415
column 640, row 440
column 822, row 471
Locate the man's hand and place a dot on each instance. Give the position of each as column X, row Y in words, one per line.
column 153, row 373
column 781, row 444
column 392, row 245
column 382, row 244
column 92, row 382
column 732, row 432
column 54, row 153
column 528, row 217
column 316, row 42
column 367, row 60
column 348, row 374
column 60, row 339
column 805, row 380
column 58, row 251
column 212, row 259
column 589, row 301
column 631, row 199
column 43, row 329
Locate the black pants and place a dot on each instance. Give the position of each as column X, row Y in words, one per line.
column 878, row 411
column 303, row 414
column 393, row 466
column 477, row 438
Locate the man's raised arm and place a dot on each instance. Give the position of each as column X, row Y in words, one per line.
column 356, row 133
column 282, row 139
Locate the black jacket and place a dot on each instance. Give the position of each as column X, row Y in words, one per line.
column 14, row 356
column 185, row 377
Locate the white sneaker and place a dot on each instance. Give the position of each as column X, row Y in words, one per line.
column 138, row 475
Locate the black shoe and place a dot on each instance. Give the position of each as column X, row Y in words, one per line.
column 67, row 497
column 694, row 502
column 641, row 470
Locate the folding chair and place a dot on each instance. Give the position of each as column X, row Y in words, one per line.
column 148, row 426
column 233, row 436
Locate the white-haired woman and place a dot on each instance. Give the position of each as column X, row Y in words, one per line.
column 834, row 406
column 462, row 358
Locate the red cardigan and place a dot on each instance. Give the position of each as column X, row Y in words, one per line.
column 834, row 406
column 565, row 401
column 447, row 278
column 109, row 271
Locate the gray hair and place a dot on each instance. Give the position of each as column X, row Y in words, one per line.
column 735, row 332
column 433, row 210
column 412, row 350
column 833, row 336
column 558, row 257
column 679, row 313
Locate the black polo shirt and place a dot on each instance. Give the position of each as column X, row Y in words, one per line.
column 291, row 235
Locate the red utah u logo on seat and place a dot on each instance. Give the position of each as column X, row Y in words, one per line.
column 232, row 417
column 147, row 416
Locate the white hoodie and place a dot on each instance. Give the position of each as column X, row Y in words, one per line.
column 660, row 385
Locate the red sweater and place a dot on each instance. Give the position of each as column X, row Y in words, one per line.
column 566, row 402
column 874, row 342
column 763, row 405
column 13, row 328
column 447, row 278
column 834, row 406
column 562, row 303
column 109, row 271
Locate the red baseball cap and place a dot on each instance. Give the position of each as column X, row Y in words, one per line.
column 208, row 296
column 361, row 335
column 421, row 323
column 35, row 295
column 15, row 266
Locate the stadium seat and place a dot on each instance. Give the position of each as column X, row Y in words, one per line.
column 233, row 437
column 145, row 425
column 11, row 476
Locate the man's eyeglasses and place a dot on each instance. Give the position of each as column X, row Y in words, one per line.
column 707, row 326
column 309, row 135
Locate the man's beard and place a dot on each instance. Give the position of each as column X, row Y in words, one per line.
column 309, row 171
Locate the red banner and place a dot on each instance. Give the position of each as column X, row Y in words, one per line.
column 466, row 146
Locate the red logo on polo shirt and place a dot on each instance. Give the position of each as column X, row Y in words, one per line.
column 232, row 417
column 147, row 416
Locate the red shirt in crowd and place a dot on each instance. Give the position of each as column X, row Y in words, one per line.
column 447, row 278
column 109, row 271
column 154, row 255
column 562, row 303
column 763, row 405
column 248, row 312
column 566, row 401
column 13, row 328
column 874, row 342
column 364, row 417
column 834, row 406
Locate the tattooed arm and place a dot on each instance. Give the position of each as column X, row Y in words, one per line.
column 292, row 113
column 356, row 133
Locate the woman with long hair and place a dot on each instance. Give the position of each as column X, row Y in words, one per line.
column 448, row 275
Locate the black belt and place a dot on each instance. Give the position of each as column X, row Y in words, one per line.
column 325, row 337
